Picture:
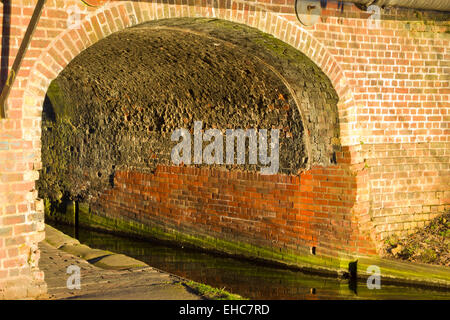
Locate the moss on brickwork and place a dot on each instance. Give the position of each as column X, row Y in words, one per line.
column 60, row 211
column 392, row 272
column 283, row 257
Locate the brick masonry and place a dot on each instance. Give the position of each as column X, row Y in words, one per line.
column 294, row 213
column 393, row 86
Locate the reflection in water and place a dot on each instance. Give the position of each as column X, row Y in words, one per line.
column 242, row 277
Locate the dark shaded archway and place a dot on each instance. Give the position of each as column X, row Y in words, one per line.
column 108, row 121
column 117, row 103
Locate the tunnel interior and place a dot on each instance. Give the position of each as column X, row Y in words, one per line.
column 116, row 104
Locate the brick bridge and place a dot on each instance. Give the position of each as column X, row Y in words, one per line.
column 388, row 167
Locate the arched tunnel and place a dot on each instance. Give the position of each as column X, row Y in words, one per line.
column 109, row 115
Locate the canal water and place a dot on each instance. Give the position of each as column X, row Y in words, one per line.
column 248, row 279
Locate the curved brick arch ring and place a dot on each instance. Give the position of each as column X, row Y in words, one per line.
column 94, row 3
column 116, row 16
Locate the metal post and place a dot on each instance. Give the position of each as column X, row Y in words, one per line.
column 76, row 218
column 20, row 56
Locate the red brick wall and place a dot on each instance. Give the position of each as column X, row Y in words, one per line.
column 409, row 184
column 296, row 213
column 393, row 84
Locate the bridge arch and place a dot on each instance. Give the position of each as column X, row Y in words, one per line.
column 118, row 17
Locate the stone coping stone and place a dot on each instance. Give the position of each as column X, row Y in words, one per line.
column 58, row 239
column 118, row 262
column 100, row 258
column 85, row 252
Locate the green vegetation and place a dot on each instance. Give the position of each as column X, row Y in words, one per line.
column 211, row 293
column 428, row 245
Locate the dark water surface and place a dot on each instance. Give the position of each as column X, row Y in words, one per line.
column 248, row 279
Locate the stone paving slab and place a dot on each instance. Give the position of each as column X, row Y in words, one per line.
column 138, row 283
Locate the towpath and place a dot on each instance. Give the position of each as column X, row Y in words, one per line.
column 115, row 280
